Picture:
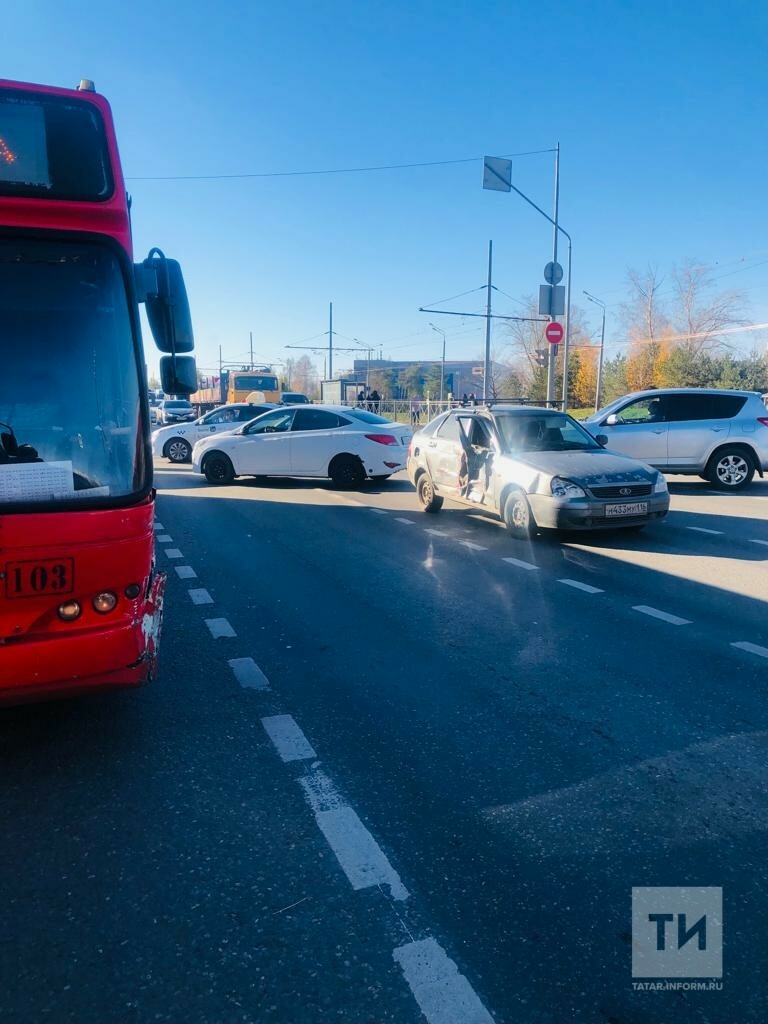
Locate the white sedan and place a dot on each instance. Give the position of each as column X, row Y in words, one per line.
column 175, row 442
column 348, row 445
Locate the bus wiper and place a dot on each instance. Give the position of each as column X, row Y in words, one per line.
column 12, row 451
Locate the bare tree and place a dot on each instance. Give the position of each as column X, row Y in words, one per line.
column 699, row 315
column 643, row 313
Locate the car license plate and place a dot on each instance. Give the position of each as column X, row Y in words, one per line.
column 634, row 508
column 37, row 579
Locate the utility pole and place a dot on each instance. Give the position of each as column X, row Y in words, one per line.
column 487, row 363
column 598, row 385
column 552, row 363
column 251, row 334
column 442, row 364
column 330, row 342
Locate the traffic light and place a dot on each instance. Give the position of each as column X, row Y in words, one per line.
column 541, row 357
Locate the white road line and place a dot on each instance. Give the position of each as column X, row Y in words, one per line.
column 675, row 620
column 472, row 546
column 438, row 533
column 200, row 596
column 444, row 996
column 408, row 522
column 173, row 552
column 219, row 627
column 185, row 572
column 703, row 529
column 380, row 511
column 287, row 738
column 520, row 563
column 164, row 538
column 248, row 674
column 159, row 526
column 744, row 645
column 763, row 542
column 360, row 856
column 582, row 586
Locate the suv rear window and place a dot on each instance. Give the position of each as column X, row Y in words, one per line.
column 702, row 407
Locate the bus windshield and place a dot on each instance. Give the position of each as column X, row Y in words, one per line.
column 69, row 383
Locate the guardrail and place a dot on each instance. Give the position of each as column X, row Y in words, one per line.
column 408, row 411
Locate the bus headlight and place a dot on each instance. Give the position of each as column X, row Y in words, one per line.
column 69, row 611
column 104, row 602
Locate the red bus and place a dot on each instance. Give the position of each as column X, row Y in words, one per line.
column 80, row 595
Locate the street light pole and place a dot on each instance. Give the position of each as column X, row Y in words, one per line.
column 602, row 348
column 442, row 364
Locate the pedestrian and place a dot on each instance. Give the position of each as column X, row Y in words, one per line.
column 415, row 410
column 375, row 400
column 361, row 397
column 472, row 400
column 464, row 400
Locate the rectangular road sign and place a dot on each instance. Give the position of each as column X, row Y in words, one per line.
column 551, row 300
column 497, row 174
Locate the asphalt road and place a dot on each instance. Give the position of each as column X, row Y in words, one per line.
column 399, row 767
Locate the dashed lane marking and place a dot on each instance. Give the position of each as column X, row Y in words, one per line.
column 437, row 533
column 219, row 627
column 744, row 645
column 520, row 563
column 763, row 542
column 248, row 674
column 159, row 526
column 380, row 511
column 164, row 538
column 185, row 572
column 200, row 596
column 360, row 856
column 444, row 996
column 703, row 529
column 173, row 553
column 655, row 613
column 577, row 585
column 472, row 546
column 287, row 738
column 408, row 522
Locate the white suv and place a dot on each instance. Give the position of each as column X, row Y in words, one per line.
column 720, row 435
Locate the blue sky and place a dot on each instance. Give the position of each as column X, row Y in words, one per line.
column 658, row 109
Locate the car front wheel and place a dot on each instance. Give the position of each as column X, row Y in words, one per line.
column 218, row 469
column 425, row 491
column 177, row 450
column 731, row 469
column 517, row 516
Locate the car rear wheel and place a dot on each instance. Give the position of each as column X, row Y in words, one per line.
column 218, row 469
column 730, row 469
column 346, row 471
column 517, row 516
column 425, row 491
column 178, row 450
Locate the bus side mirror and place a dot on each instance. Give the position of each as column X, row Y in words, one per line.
column 160, row 285
column 178, row 375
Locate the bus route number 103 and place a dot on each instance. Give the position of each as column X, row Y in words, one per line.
column 38, row 579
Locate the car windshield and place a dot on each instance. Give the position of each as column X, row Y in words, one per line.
column 365, row 416
column 178, row 405
column 546, row 432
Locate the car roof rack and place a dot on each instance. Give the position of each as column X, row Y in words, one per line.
column 516, row 400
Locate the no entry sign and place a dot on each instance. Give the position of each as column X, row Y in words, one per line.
column 554, row 333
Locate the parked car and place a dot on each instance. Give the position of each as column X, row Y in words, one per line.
column 293, row 398
column 176, row 442
column 175, row 410
column 533, row 468
column 347, row 445
column 722, row 436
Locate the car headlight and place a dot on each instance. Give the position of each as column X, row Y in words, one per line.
column 660, row 487
column 566, row 488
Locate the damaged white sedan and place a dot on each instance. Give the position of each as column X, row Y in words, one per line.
column 535, row 468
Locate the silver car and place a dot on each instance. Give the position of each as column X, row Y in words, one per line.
column 719, row 435
column 534, row 468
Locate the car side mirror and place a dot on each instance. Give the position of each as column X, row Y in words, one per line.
column 602, row 440
column 612, row 420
